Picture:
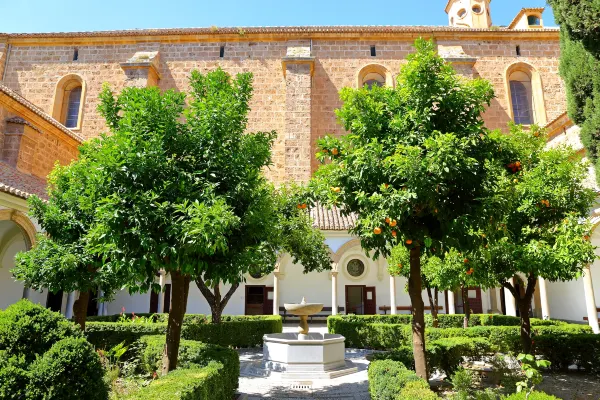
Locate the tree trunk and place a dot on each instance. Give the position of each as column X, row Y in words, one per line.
column 80, row 309
column 524, row 303
column 466, row 306
column 178, row 290
column 434, row 306
column 217, row 305
column 418, row 307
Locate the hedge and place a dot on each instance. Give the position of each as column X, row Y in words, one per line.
column 444, row 320
column 382, row 336
column 564, row 350
column 391, row 380
column 187, row 384
column 444, row 355
column 192, row 355
column 533, row 396
column 238, row 332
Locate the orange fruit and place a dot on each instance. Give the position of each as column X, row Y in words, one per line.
column 393, row 223
column 299, row 206
column 387, row 220
column 386, row 186
column 586, row 237
column 334, row 151
column 466, row 260
column 408, row 241
column 469, row 272
column 336, row 189
column 394, row 233
column 399, row 265
column 377, row 230
column 435, row 211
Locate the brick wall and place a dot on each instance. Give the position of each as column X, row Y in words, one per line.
column 33, row 71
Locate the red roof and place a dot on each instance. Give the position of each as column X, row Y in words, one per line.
column 20, row 184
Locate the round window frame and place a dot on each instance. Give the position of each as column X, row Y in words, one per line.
column 253, row 279
column 463, row 15
column 351, row 255
column 479, row 7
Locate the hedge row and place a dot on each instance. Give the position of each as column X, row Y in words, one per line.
column 564, row 350
column 444, row 320
column 187, row 319
column 391, row 380
column 443, row 355
column 381, row 336
column 232, row 332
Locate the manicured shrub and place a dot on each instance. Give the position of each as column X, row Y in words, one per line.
column 28, row 330
column 71, row 369
column 192, row 355
column 239, row 332
column 417, row 390
column 14, row 377
column 187, row 384
column 533, row 396
column 387, row 378
column 564, row 350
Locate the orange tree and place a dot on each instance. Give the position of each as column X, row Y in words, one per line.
column 185, row 192
column 412, row 167
column 536, row 225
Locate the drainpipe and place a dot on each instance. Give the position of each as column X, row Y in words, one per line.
column 8, row 49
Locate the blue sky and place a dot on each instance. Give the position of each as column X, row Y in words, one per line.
column 90, row 15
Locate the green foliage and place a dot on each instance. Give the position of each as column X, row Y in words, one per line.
column 532, row 396
column 71, row 369
column 530, row 367
column 234, row 331
column 14, row 377
column 29, row 330
column 187, row 384
column 417, row 390
column 389, row 379
column 565, row 350
column 463, row 382
column 580, row 67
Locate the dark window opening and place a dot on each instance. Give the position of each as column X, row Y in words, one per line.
column 373, row 51
column 533, row 20
column 73, row 108
column 518, row 50
column 222, row 51
column 75, row 55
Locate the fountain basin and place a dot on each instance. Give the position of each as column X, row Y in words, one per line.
column 311, row 356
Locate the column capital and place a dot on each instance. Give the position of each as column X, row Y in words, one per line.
column 334, row 273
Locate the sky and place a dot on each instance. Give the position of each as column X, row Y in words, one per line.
column 93, row 15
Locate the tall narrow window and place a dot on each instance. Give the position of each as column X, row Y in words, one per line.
column 373, row 51
column 73, row 105
column 522, row 98
column 222, row 51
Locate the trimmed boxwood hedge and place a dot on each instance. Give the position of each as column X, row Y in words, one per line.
column 238, row 332
column 382, row 336
column 564, row 350
column 391, row 380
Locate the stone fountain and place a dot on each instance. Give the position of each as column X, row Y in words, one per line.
column 306, row 355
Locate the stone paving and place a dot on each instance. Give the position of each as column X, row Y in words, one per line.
column 258, row 383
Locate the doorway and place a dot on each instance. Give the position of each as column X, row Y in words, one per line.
column 361, row 300
column 166, row 301
column 259, row 300
column 54, row 301
column 475, row 302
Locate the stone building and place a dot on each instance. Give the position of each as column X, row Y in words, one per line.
column 49, row 93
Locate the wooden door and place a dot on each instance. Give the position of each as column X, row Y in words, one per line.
column 475, row 303
column 255, row 300
column 355, row 303
column 268, row 304
column 370, row 300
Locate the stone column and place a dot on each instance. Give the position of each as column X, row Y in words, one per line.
column 69, row 307
column 393, row 310
column 509, row 300
column 498, row 301
column 544, row 298
column 590, row 301
column 161, row 295
column 298, row 66
column 334, row 296
column 276, row 293
column 450, row 308
column 100, row 305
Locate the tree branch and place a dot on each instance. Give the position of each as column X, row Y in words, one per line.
column 229, row 294
column 531, row 282
column 206, row 292
column 511, row 289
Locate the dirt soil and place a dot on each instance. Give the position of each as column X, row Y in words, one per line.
column 571, row 386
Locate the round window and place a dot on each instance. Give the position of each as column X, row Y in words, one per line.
column 256, row 275
column 355, row 268
column 477, row 9
column 462, row 13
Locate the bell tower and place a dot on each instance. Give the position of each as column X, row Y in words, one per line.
column 469, row 13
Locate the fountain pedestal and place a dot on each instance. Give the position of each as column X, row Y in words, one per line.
column 306, row 355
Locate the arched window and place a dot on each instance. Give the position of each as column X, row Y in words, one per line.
column 522, row 98
column 374, row 75
column 525, row 94
column 68, row 101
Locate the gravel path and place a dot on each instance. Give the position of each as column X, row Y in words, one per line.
column 572, row 386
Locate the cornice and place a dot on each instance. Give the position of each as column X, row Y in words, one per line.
column 407, row 33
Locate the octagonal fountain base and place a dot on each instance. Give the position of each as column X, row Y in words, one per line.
column 310, row 356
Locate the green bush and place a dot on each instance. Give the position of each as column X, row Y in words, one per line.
column 533, row 396
column 564, row 350
column 239, row 332
column 187, row 384
column 192, row 355
column 14, row 377
column 387, row 379
column 28, row 329
column 71, row 369
column 417, row 390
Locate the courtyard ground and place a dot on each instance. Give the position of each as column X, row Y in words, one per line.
column 259, row 384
